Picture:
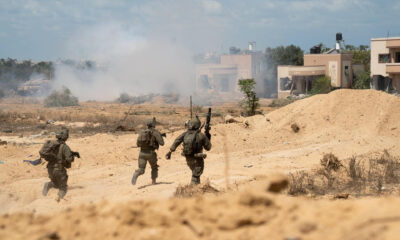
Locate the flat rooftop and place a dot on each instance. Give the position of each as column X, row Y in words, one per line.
column 384, row 39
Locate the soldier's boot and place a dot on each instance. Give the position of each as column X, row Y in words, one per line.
column 195, row 180
column 134, row 178
column 153, row 181
column 61, row 194
column 47, row 187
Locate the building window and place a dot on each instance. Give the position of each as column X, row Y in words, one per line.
column 285, row 84
column 397, row 57
column 346, row 71
column 224, row 84
column 384, row 58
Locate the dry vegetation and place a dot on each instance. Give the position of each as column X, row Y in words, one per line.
column 358, row 177
column 192, row 190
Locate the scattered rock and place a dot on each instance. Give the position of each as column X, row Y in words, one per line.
column 51, row 121
column 3, row 143
column 295, row 127
column 277, row 183
column 21, row 135
column 6, row 131
column 50, row 236
column 230, row 119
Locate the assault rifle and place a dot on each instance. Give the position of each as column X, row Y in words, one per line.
column 207, row 127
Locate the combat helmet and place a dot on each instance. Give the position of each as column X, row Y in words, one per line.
column 62, row 134
column 151, row 123
column 194, row 123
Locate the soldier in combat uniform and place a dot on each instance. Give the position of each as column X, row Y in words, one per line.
column 193, row 143
column 59, row 157
column 148, row 140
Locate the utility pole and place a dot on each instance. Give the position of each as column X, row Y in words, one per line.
column 191, row 107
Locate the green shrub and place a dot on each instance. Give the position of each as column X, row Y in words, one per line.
column 250, row 103
column 321, row 85
column 62, row 98
column 362, row 81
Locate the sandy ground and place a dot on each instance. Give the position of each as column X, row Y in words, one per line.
column 345, row 122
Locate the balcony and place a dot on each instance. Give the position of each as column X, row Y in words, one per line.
column 393, row 43
column 393, row 68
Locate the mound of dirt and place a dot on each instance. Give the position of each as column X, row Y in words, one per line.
column 369, row 111
column 251, row 214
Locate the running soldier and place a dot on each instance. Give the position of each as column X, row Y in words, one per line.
column 193, row 143
column 148, row 140
column 59, row 157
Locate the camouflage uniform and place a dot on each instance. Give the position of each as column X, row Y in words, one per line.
column 195, row 161
column 57, row 168
column 148, row 154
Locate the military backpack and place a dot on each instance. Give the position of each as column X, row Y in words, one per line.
column 50, row 150
column 191, row 143
column 146, row 139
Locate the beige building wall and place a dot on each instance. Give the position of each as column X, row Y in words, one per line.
column 389, row 46
column 249, row 65
column 219, row 77
column 378, row 46
column 337, row 67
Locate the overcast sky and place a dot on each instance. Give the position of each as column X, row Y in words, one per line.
column 49, row 29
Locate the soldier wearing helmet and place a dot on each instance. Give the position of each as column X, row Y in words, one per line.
column 148, row 140
column 59, row 157
column 194, row 141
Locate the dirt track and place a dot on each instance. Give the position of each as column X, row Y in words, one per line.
column 345, row 122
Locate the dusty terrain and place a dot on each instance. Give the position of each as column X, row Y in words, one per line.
column 101, row 203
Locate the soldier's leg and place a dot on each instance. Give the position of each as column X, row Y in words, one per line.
column 141, row 167
column 197, row 170
column 154, row 168
column 61, row 179
column 191, row 162
column 48, row 185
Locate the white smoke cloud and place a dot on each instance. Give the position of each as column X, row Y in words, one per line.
column 125, row 62
column 156, row 57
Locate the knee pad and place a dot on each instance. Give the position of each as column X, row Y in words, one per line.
column 140, row 171
column 197, row 171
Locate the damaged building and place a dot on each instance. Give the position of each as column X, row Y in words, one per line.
column 222, row 77
column 334, row 63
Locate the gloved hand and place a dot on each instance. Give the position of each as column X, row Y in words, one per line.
column 168, row 155
column 76, row 154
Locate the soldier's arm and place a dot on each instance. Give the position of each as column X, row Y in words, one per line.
column 158, row 137
column 206, row 142
column 177, row 141
column 68, row 156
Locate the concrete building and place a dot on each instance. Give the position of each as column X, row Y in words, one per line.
column 223, row 77
column 299, row 79
column 385, row 63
